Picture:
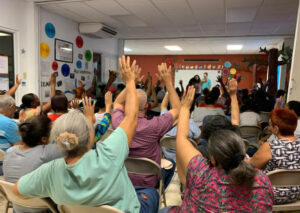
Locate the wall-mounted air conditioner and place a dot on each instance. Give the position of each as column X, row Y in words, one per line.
column 97, row 30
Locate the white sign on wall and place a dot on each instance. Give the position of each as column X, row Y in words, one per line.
column 3, row 64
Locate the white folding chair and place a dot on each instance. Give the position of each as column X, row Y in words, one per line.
column 145, row 166
column 88, row 209
column 285, row 178
column 33, row 203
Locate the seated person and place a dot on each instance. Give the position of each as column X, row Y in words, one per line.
column 145, row 142
column 209, row 109
column 216, row 92
column 31, row 103
column 59, row 104
column 35, row 151
column 88, row 177
column 280, row 153
column 248, row 115
column 225, row 182
column 194, row 131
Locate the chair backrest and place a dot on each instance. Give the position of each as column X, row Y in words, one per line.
column 250, row 131
column 89, row 209
column 106, row 134
column 168, row 142
column 284, row 177
column 265, row 116
column 2, row 153
column 142, row 166
column 33, row 203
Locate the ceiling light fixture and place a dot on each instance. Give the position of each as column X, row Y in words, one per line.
column 4, row 34
column 173, row 48
column 126, row 49
column 234, row 47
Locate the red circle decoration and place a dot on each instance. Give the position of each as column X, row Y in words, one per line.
column 79, row 41
column 54, row 65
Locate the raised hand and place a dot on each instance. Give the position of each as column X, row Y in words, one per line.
column 18, row 81
column 232, row 87
column 188, row 99
column 164, row 73
column 127, row 70
column 112, row 75
column 108, row 98
column 180, row 82
column 75, row 103
column 137, row 72
column 219, row 79
column 88, row 109
column 53, row 79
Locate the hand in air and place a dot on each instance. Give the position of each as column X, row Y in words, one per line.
column 127, row 70
column 88, row 109
column 232, row 87
column 108, row 98
column 188, row 99
column 164, row 73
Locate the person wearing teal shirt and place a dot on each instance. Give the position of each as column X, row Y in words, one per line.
column 89, row 177
column 206, row 82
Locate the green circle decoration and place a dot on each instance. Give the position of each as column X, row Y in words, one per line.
column 88, row 55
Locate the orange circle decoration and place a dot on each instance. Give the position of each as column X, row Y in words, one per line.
column 232, row 71
column 44, row 50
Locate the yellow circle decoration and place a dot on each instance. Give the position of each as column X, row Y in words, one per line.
column 232, row 71
column 44, row 50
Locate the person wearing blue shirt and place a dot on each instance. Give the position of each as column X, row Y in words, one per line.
column 9, row 135
column 206, row 82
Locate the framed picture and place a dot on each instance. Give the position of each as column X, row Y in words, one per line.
column 63, row 51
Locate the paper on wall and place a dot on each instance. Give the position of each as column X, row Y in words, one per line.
column 46, row 68
column 3, row 65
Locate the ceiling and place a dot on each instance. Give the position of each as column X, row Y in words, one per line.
column 198, row 46
column 182, row 18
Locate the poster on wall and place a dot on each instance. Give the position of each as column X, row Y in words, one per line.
column 4, row 84
column 63, row 51
column 3, row 64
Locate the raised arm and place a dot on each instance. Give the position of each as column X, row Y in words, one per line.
column 131, row 101
column 164, row 103
column 47, row 106
column 111, row 79
column 185, row 151
column 88, row 109
column 13, row 90
column 220, row 80
column 235, row 109
column 181, row 87
column 165, row 75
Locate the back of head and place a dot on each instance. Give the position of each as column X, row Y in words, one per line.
column 216, row 92
column 5, row 102
column 100, row 104
column 285, row 119
column 213, row 123
column 27, row 101
column 34, row 129
column 205, row 91
column 280, row 93
column 295, row 106
column 210, row 98
column 142, row 96
column 71, row 131
column 228, row 150
column 59, row 103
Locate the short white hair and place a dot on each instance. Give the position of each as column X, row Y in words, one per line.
column 6, row 101
column 142, row 96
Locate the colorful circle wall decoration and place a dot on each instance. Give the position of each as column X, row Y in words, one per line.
column 227, row 64
column 232, row 71
column 50, row 30
column 78, row 64
column 65, row 70
column 88, row 55
column 54, row 65
column 44, row 50
column 79, row 41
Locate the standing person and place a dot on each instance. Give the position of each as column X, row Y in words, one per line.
column 206, row 82
column 197, row 86
column 225, row 182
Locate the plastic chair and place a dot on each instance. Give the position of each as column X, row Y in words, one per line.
column 169, row 142
column 145, row 166
column 250, row 132
column 33, row 203
column 106, row 134
column 2, row 153
column 89, row 209
column 285, row 178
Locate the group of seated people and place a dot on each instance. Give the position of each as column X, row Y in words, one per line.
column 60, row 154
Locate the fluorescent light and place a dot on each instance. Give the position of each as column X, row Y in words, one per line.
column 66, row 49
column 234, row 47
column 173, row 48
column 4, row 34
column 126, row 49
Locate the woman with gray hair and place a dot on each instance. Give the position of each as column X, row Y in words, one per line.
column 89, row 177
column 225, row 184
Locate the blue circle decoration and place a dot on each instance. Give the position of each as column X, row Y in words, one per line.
column 78, row 64
column 50, row 30
column 65, row 70
column 227, row 64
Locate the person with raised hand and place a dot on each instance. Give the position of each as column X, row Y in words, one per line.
column 13, row 90
column 83, row 168
column 225, row 182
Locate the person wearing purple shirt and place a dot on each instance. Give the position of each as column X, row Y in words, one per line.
column 145, row 142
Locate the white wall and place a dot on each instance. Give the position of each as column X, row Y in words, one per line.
column 20, row 17
column 68, row 30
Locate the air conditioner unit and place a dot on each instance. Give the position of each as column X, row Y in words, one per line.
column 96, row 30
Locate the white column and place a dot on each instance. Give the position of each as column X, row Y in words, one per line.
column 294, row 85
